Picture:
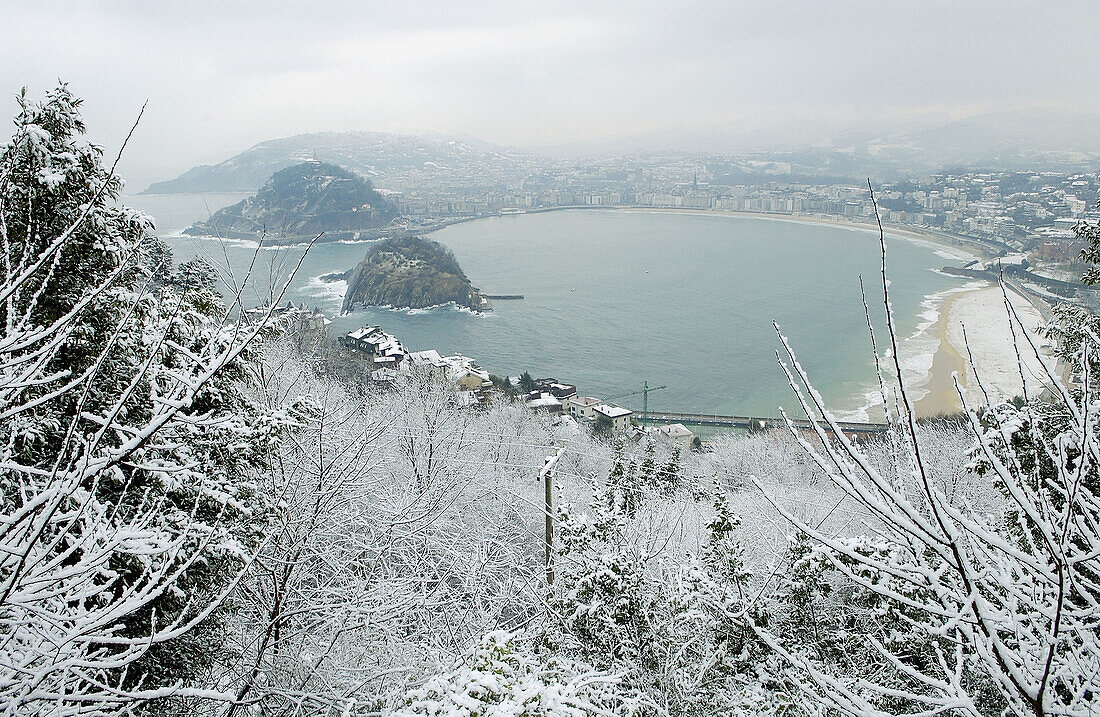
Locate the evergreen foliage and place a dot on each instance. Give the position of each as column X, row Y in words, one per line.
column 300, row 202
column 128, row 438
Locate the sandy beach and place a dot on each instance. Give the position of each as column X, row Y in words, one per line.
column 976, row 343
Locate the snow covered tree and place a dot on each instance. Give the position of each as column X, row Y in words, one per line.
column 502, row 679
column 625, row 487
column 126, row 438
column 714, row 662
column 401, row 531
column 1004, row 593
column 669, row 478
column 603, row 595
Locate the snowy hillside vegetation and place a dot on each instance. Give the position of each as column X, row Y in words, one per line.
column 199, row 516
column 300, row 202
column 410, row 272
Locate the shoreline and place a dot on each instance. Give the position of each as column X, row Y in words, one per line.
column 935, row 385
column 933, row 380
column 937, row 394
column 941, row 397
column 977, row 346
column 967, row 248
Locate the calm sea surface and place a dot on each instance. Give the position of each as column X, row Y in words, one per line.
column 617, row 297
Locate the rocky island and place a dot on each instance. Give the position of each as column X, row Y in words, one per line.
column 300, row 202
column 409, row 272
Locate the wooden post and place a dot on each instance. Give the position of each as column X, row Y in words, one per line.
column 547, row 476
column 548, row 485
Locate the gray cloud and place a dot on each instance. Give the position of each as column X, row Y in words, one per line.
column 220, row 76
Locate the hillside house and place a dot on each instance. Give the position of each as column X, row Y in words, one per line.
column 580, row 407
column 375, row 345
column 542, row 401
column 678, row 433
column 558, row 390
column 617, row 416
column 470, row 378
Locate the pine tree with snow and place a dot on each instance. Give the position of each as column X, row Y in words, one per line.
column 502, row 679
column 603, row 596
column 128, row 433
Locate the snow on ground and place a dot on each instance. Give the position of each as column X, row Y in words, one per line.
column 984, row 317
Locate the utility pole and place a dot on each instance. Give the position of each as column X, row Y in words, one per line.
column 546, row 474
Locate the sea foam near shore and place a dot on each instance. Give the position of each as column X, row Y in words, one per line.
column 918, row 354
column 977, row 341
column 329, row 293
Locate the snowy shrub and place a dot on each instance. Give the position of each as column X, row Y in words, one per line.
column 604, row 596
column 502, row 681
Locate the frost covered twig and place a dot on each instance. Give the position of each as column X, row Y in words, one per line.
column 1008, row 602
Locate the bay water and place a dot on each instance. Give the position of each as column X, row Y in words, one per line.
column 617, row 297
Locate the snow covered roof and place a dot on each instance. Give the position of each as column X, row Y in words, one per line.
column 544, row 400
column 612, row 411
column 364, row 332
column 458, row 361
column 675, row 430
column 469, row 371
column 430, row 357
column 382, row 343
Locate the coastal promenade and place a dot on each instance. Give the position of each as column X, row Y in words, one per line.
column 756, row 423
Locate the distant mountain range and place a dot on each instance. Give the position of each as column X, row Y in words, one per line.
column 951, row 141
column 397, row 159
column 1005, row 141
column 301, row 201
column 998, row 141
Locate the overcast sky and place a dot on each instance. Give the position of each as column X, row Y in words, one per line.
column 220, row 75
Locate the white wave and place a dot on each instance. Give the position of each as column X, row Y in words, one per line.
column 248, row 243
column 449, row 306
column 326, row 290
column 917, row 352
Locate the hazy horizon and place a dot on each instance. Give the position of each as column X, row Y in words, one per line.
column 220, row 78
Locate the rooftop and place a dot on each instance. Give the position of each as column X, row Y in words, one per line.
column 612, row 411
column 675, row 430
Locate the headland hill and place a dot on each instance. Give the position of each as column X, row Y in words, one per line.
column 300, row 202
column 409, row 272
column 317, row 199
